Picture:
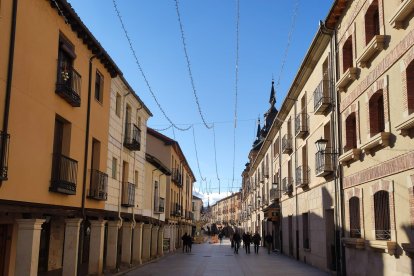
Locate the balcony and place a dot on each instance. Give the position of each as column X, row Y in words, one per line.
column 347, row 78
column 64, row 174
column 128, row 194
column 159, row 208
column 68, row 85
column 375, row 46
column 324, row 163
column 402, row 13
column 132, row 139
column 176, row 177
column 274, row 194
column 321, row 97
column 301, row 125
column 287, row 144
column 99, row 185
column 4, row 150
column 287, row 184
column 302, row 176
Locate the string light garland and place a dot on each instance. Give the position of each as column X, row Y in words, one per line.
column 236, row 85
column 187, row 58
column 215, row 154
column 142, row 71
column 196, row 153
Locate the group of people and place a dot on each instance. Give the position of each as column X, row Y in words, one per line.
column 248, row 239
column 187, row 242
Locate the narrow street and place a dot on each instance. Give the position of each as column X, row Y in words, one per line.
column 219, row 260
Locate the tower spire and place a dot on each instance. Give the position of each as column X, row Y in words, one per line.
column 258, row 128
column 272, row 99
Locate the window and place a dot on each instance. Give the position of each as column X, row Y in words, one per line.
column 351, row 132
column 410, row 87
column 347, row 55
column 372, row 26
column 118, row 105
column 376, row 113
column 382, row 216
column 99, row 87
column 276, row 147
column 114, row 168
column 156, row 196
column 305, row 221
column 354, row 219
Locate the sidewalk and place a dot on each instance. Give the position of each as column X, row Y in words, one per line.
column 219, row 260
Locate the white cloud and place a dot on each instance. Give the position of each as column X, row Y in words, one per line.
column 210, row 197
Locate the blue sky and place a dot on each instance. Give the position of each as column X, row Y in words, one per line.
column 210, row 33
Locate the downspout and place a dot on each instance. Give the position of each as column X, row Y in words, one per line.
column 8, row 85
column 85, row 165
column 133, row 208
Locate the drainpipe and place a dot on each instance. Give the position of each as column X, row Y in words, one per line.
column 8, row 85
column 85, row 164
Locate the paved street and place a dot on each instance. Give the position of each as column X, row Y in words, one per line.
column 219, row 260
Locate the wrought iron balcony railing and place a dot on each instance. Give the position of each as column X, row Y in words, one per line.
column 274, row 194
column 382, row 235
column 64, row 174
column 68, row 85
column 99, row 185
column 321, row 97
column 287, row 185
column 159, row 208
column 302, row 176
column 287, row 143
column 301, row 125
column 176, row 177
column 128, row 194
column 324, row 162
column 4, row 154
column 132, row 140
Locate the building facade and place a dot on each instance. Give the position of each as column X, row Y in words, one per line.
column 226, row 211
column 197, row 208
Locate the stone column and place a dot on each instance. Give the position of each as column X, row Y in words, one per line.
column 70, row 248
column 154, row 241
column 146, row 242
column 112, row 244
column 180, row 234
column 160, row 250
column 96, row 247
column 126, row 243
column 172, row 241
column 137, row 247
column 27, row 247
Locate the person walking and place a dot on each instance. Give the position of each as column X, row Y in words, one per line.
column 243, row 238
column 256, row 242
column 247, row 241
column 184, row 238
column 189, row 243
column 236, row 241
column 269, row 241
column 220, row 236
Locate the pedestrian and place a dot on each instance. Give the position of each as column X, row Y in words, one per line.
column 243, row 239
column 247, row 241
column 220, row 235
column 269, row 241
column 184, row 239
column 256, row 242
column 189, row 243
column 236, row 240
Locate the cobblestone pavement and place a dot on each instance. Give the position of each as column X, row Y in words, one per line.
column 219, row 260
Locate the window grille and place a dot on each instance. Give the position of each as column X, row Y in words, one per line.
column 354, row 218
column 382, row 216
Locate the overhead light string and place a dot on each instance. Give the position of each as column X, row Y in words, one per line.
column 189, row 67
column 142, row 71
column 196, row 153
column 236, row 84
column 215, row 152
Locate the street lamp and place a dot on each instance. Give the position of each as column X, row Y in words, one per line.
column 321, row 144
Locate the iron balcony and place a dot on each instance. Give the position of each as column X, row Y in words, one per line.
column 99, row 185
column 324, row 162
column 159, row 208
column 274, row 194
column 287, row 144
column 287, row 184
column 132, row 139
column 128, row 194
column 68, row 85
column 302, row 176
column 64, row 174
column 321, row 97
column 301, row 125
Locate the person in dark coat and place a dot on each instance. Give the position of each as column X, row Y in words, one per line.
column 189, row 243
column 269, row 241
column 247, row 241
column 236, row 240
column 256, row 242
column 184, row 238
column 243, row 238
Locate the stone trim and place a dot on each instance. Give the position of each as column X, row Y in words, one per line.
column 364, row 10
column 352, row 108
column 396, row 53
column 392, row 166
column 343, row 31
column 384, row 185
column 409, row 57
column 410, row 184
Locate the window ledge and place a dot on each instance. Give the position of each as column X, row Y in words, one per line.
column 356, row 243
column 347, row 78
column 386, row 246
column 405, row 126
column 397, row 21
column 380, row 139
column 350, row 155
column 374, row 46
